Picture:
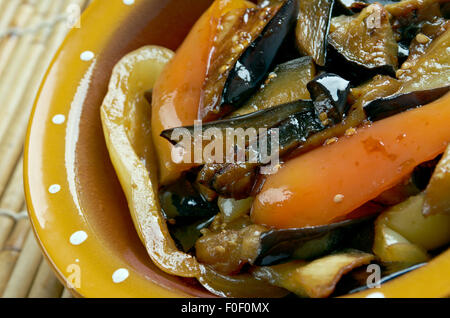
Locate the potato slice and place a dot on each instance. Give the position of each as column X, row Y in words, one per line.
column 389, row 246
column 406, row 219
column 125, row 117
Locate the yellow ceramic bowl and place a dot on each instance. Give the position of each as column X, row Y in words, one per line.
column 76, row 205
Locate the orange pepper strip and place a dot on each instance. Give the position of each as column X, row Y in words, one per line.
column 328, row 183
column 176, row 94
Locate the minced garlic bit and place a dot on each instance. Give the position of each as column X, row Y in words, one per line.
column 422, row 38
column 338, row 198
column 331, row 141
column 350, row 132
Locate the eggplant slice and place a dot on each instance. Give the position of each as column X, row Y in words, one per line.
column 312, row 28
column 363, row 45
column 266, row 118
column 277, row 246
column 236, row 179
column 228, row 88
column 285, row 84
column 329, row 92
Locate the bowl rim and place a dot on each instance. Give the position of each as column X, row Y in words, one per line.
column 431, row 280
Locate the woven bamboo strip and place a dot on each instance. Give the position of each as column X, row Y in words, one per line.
column 6, row 225
column 11, row 250
column 16, row 131
column 25, row 269
column 17, row 74
column 7, row 261
column 7, row 13
column 11, row 115
column 18, row 235
column 13, row 197
column 45, row 284
column 15, row 287
column 9, row 43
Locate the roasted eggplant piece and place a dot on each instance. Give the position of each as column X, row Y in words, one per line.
column 363, row 45
column 231, row 83
column 428, row 66
column 424, row 76
column 391, row 105
column 316, row 279
column 329, row 92
column 238, row 286
column 437, row 199
column 236, row 179
column 185, row 235
column 277, row 246
column 266, row 118
column 285, row 84
column 229, row 250
column 182, row 201
column 312, row 28
column 252, row 67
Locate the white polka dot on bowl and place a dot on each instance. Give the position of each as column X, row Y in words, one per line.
column 375, row 295
column 87, row 56
column 54, row 188
column 78, row 237
column 128, row 2
column 120, row 275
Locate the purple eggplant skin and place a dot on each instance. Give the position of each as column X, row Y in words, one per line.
column 329, row 92
column 252, row 67
column 387, row 106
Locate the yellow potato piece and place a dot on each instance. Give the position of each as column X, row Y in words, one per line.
column 389, row 246
column 125, row 117
column 428, row 232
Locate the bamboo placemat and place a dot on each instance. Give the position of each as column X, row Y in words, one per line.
column 30, row 33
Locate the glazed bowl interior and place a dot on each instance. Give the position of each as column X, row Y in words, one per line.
column 95, row 191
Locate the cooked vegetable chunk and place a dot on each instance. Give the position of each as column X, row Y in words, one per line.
column 238, row 286
column 287, row 83
column 124, row 115
column 315, row 190
column 250, row 70
column 177, row 92
column 316, row 279
column 329, row 92
column 428, row 70
column 437, row 198
column 403, row 234
column 182, row 200
column 397, row 103
column 228, row 250
column 364, row 44
column 277, row 246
